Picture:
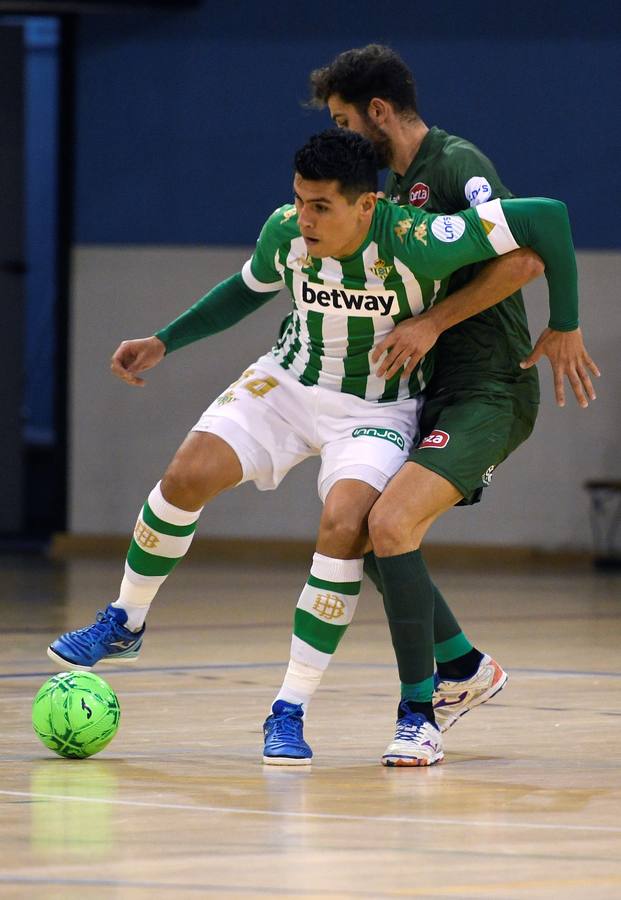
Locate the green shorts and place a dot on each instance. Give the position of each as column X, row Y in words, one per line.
column 464, row 436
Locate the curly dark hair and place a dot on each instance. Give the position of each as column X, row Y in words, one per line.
column 363, row 73
column 339, row 155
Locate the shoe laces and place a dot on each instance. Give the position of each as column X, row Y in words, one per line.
column 287, row 725
column 103, row 628
column 409, row 727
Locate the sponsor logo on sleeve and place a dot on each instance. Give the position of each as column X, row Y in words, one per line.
column 419, row 194
column 448, row 229
column 435, row 440
column 387, row 434
column 477, row 190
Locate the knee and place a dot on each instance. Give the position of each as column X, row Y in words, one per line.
column 343, row 530
column 391, row 530
column 183, row 487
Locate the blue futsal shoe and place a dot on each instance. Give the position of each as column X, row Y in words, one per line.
column 107, row 640
column 283, row 731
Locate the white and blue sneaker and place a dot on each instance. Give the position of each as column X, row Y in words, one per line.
column 107, row 640
column 283, row 732
column 416, row 743
column 453, row 699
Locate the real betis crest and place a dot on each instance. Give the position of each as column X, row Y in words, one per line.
column 381, row 270
column 402, row 228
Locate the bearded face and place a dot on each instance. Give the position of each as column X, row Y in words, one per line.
column 381, row 142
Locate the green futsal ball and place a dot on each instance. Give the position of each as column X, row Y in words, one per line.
column 75, row 714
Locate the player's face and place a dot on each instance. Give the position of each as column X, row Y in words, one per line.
column 329, row 223
column 346, row 115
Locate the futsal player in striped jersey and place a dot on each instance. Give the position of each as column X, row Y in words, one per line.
column 354, row 265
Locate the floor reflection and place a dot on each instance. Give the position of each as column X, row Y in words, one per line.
column 78, row 827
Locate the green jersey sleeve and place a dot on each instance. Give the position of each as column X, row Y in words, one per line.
column 238, row 296
column 262, row 271
column 225, row 304
column 470, row 178
column 543, row 225
column 438, row 245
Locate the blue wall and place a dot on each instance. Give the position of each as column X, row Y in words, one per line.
column 187, row 122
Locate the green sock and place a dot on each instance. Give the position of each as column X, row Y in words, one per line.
column 449, row 640
column 420, row 692
column 409, row 602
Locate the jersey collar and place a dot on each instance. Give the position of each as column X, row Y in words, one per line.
column 427, row 149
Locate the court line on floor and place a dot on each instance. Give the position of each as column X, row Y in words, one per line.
column 196, row 667
column 381, row 820
column 163, row 885
column 461, row 890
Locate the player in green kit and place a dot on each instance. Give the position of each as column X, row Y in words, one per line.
column 354, row 265
column 481, row 402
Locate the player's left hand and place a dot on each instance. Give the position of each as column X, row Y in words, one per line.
column 405, row 346
column 569, row 358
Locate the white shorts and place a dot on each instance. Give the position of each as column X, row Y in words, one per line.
column 273, row 422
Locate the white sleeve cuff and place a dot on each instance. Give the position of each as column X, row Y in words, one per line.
column 259, row 286
column 496, row 227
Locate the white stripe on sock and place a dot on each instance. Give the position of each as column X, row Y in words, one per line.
column 161, row 544
column 300, row 683
column 329, row 569
column 169, row 513
column 304, row 653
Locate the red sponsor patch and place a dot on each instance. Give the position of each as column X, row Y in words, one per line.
column 419, row 193
column 437, row 439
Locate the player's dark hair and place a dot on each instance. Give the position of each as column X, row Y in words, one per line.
column 339, row 155
column 363, row 73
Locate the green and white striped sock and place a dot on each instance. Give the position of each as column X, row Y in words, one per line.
column 162, row 537
column 325, row 608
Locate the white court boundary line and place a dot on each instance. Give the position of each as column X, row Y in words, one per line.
column 238, row 810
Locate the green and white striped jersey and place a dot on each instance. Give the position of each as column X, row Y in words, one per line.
column 342, row 308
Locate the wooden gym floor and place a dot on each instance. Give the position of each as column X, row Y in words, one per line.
column 526, row 804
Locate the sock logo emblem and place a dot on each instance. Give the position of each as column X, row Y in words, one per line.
column 144, row 536
column 329, row 606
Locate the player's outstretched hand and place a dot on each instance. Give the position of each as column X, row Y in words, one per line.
column 139, row 355
column 569, row 358
column 405, row 346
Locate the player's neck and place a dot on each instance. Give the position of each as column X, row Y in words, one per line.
column 406, row 139
column 356, row 243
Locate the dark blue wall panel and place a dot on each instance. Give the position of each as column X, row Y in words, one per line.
column 187, row 122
